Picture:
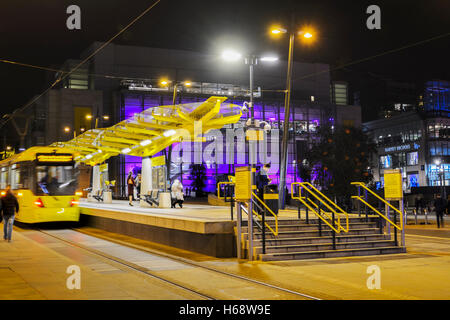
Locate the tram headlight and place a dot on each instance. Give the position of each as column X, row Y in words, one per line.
column 73, row 203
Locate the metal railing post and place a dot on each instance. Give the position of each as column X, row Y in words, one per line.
column 388, row 224
column 264, row 230
column 250, row 230
column 425, row 211
column 334, row 232
column 380, row 224
column 239, row 230
column 306, row 208
column 320, row 222
column 367, row 209
column 359, row 203
column 395, row 229
column 404, row 223
column 231, row 203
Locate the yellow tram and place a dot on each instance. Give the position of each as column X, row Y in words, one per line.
column 44, row 180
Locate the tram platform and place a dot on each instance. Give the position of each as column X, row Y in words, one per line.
column 200, row 228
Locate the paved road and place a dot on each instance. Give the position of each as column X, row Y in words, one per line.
column 34, row 266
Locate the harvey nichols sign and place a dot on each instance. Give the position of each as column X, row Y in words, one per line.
column 402, row 147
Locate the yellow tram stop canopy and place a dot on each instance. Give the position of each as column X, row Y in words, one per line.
column 152, row 130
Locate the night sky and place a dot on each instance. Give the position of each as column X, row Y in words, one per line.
column 35, row 32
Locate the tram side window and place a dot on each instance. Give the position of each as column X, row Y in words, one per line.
column 21, row 178
column 3, row 178
column 15, row 179
column 55, row 180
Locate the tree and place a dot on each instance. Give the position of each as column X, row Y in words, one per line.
column 198, row 176
column 340, row 157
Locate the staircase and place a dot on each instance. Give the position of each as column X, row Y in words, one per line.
column 298, row 240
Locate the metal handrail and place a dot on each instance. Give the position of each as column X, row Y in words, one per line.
column 379, row 198
column 320, row 216
column 331, row 202
column 361, row 184
column 218, row 188
column 312, row 192
column 275, row 233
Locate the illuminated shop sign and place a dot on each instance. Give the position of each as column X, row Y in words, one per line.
column 403, row 147
column 51, row 158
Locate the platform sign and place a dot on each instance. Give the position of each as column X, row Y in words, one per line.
column 255, row 135
column 393, row 187
column 242, row 186
column 158, row 161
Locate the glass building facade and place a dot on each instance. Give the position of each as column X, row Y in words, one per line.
column 416, row 142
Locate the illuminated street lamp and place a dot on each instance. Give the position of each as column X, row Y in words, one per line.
column 307, row 35
column 250, row 60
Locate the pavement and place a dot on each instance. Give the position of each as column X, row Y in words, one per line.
column 32, row 267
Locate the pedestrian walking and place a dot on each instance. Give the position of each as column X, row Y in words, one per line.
column 130, row 183
column 137, row 183
column 439, row 207
column 9, row 208
column 177, row 193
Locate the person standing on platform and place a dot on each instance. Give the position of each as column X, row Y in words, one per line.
column 439, row 207
column 130, row 183
column 177, row 193
column 137, row 183
column 9, row 207
column 262, row 179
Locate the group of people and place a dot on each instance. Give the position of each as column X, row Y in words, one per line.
column 177, row 194
column 9, row 206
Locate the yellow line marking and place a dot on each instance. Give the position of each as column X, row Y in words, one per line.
column 416, row 235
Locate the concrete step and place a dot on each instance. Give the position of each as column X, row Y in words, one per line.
column 331, row 253
column 315, row 227
column 300, row 234
column 314, row 240
column 325, row 246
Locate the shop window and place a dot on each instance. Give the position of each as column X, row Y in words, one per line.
column 412, row 158
column 386, row 162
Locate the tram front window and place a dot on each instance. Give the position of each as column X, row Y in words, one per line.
column 55, row 180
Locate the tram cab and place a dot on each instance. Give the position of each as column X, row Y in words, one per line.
column 44, row 180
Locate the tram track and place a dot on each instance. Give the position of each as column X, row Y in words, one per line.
column 218, row 273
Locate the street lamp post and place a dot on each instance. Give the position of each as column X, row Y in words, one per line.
column 251, row 61
column 287, row 102
column 284, row 142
